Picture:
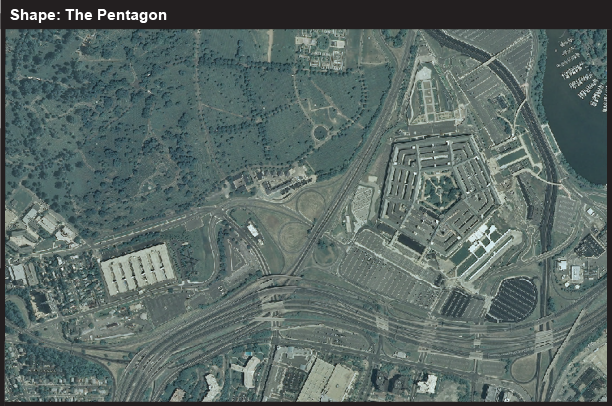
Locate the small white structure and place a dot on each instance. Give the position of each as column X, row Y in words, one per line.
column 348, row 224
column 306, row 41
column 65, row 234
column 213, row 388
column 252, row 230
column 562, row 264
column 576, row 273
column 429, row 386
column 400, row 354
column 590, row 211
column 30, row 216
column 248, row 371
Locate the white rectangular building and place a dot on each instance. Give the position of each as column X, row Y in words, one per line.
column 48, row 222
column 576, row 274
column 252, row 230
column 213, row 388
column 18, row 273
column 30, row 216
column 137, row 269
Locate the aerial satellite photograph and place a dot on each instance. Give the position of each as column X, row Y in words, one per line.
column 310, row 215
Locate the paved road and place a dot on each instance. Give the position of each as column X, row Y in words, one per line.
column 236, row 313
column 356, row 170
column 148, row 364
column 547, row 158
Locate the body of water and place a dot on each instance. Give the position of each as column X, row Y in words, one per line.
column 579, row 128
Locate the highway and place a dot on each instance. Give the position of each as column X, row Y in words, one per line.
column 232, row 316
column 232, row 321
column 546, row 154
column 355, row 171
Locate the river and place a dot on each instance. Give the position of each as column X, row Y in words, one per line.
column 579, row 128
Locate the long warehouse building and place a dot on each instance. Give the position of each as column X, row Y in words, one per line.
column 137, row 269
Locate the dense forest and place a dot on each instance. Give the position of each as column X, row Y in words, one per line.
column 593, row 45
column 112, row 128
column 537, row 89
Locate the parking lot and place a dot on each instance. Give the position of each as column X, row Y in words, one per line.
column 374, row 274
column 442, row 127
column 460, row 305
column 492, row 41
column 373, row 242
column 565, row 214
column 455, row 304
column 483, row 86
column 518, row 58
column 589, row 247
column 515, row 300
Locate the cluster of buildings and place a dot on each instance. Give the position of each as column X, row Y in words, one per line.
column 274, row 182
column 571, row 274
column 298, row 374
column 23, row 274
column 329, row 56
column 43, row 384
column 326, row 383
column 25, row 233
column 402, row 208
column 494, row 393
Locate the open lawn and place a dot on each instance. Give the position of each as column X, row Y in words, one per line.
column 292, row 236
column 461, row 254
column 326, row 256
column 20, row 200
column 269, row 249
column 371, row 52
column 524, row 369
column 512, row 157
column 311, row 204
column 283, row 48
column 241, row 216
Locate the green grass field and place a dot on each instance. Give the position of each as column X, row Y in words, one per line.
column 461, row 254
column 137, row 125
column 462, row 268
column 512, row 157
column 21, row 200
column 269, row 249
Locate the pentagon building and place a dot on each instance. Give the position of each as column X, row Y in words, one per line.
column 137, row 269
column 409, row 206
